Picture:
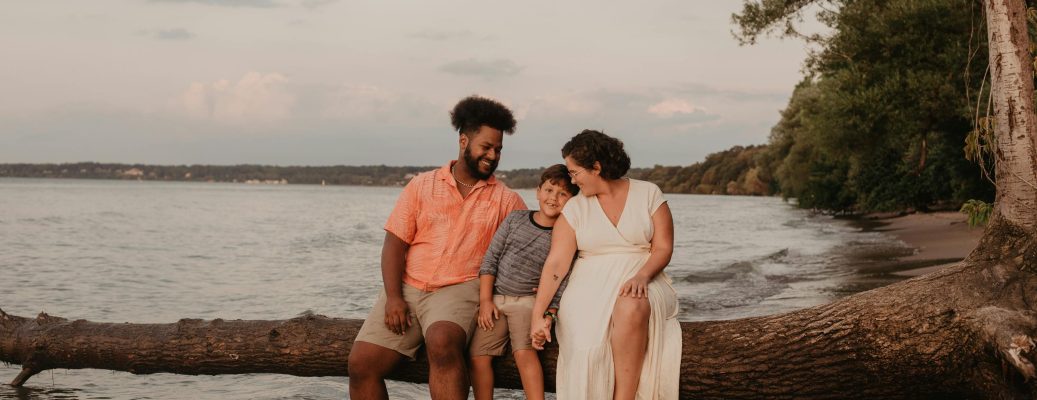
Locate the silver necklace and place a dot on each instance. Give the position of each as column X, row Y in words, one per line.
column 459, row 181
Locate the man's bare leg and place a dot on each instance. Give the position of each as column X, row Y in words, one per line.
column 369, row 364
column 448, row 375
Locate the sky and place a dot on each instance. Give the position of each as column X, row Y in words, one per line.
column 330, row 82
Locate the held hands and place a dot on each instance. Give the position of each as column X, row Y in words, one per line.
column 487, row 313
column 540, row 331
column 636, row 287
column 397, row 315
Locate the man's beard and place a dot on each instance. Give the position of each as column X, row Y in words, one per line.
column 473, row 165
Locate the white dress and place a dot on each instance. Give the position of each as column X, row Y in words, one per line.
column 608, row 256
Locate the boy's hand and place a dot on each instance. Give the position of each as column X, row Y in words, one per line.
column 540, row 331
column 487, row 313
column 397, row 315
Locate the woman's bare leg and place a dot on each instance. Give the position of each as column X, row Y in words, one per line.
column 629, row 343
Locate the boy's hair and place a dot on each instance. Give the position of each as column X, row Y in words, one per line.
column 474, row 111
column 559, row 175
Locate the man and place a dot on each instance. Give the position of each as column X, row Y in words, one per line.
column 435, row 239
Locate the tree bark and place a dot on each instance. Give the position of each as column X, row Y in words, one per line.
column 312, row 345
column 1015, row 124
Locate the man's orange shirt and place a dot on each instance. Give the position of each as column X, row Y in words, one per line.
column 448, row 235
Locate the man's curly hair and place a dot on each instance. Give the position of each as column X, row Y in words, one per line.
column 474, row 111
column 590, row 146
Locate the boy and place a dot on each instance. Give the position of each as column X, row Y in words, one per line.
column 508, row 278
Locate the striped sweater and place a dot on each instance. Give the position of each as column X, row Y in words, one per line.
column 516, row 256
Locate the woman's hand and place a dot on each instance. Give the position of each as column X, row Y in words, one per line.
column 636, row 287
column 488, row 312
column 540, row 331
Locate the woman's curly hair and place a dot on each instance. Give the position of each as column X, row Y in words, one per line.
column 474, row 111
column 590, row 146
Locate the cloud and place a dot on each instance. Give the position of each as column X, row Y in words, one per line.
column 311, row 4
column 699, row 90
column 226, row 3
column 173, row 34
column 256, row 97
column 646, row 110
column 670, row 107
column 443, row 34
column 484, row 69
column 356, row 101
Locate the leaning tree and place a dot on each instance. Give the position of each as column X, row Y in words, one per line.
column 966, row 331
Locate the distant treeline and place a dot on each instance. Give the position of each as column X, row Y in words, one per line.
column 736, row 171
column 729, row 172
column 378, row 175
column 370, row 175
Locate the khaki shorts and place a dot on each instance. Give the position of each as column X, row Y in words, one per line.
column 455, row 303
column 515, row 317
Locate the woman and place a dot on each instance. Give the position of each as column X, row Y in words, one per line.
column 618, row 335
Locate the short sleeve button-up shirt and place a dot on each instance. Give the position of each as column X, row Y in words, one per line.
column 448, row 234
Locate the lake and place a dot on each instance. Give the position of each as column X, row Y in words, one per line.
column 128, row 251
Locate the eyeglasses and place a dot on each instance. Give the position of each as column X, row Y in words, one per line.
column 573, row 173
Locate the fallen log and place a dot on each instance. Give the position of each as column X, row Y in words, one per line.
column 965, row 332
column 310, row 345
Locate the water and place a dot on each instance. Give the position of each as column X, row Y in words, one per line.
column 126, row 251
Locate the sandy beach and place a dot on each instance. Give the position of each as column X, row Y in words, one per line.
column 939, row 239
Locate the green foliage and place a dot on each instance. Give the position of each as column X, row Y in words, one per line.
column 879, row 121
column 978, row 212
column 736, row 171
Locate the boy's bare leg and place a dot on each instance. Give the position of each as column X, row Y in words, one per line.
column 482, row 377
column 448, row 373
column 531, row 374
column 369, row 364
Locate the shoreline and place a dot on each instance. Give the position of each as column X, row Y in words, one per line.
column 938, row 239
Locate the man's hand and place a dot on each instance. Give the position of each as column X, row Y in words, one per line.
column 488, row 312
column 397, row 315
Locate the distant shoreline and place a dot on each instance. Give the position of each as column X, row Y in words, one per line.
column 363, row 175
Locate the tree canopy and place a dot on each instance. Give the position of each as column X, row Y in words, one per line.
column 880, row 119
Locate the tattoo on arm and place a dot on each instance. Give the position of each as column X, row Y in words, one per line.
column 556, row 276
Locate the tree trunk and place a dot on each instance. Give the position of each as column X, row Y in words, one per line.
column 1015, row 124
